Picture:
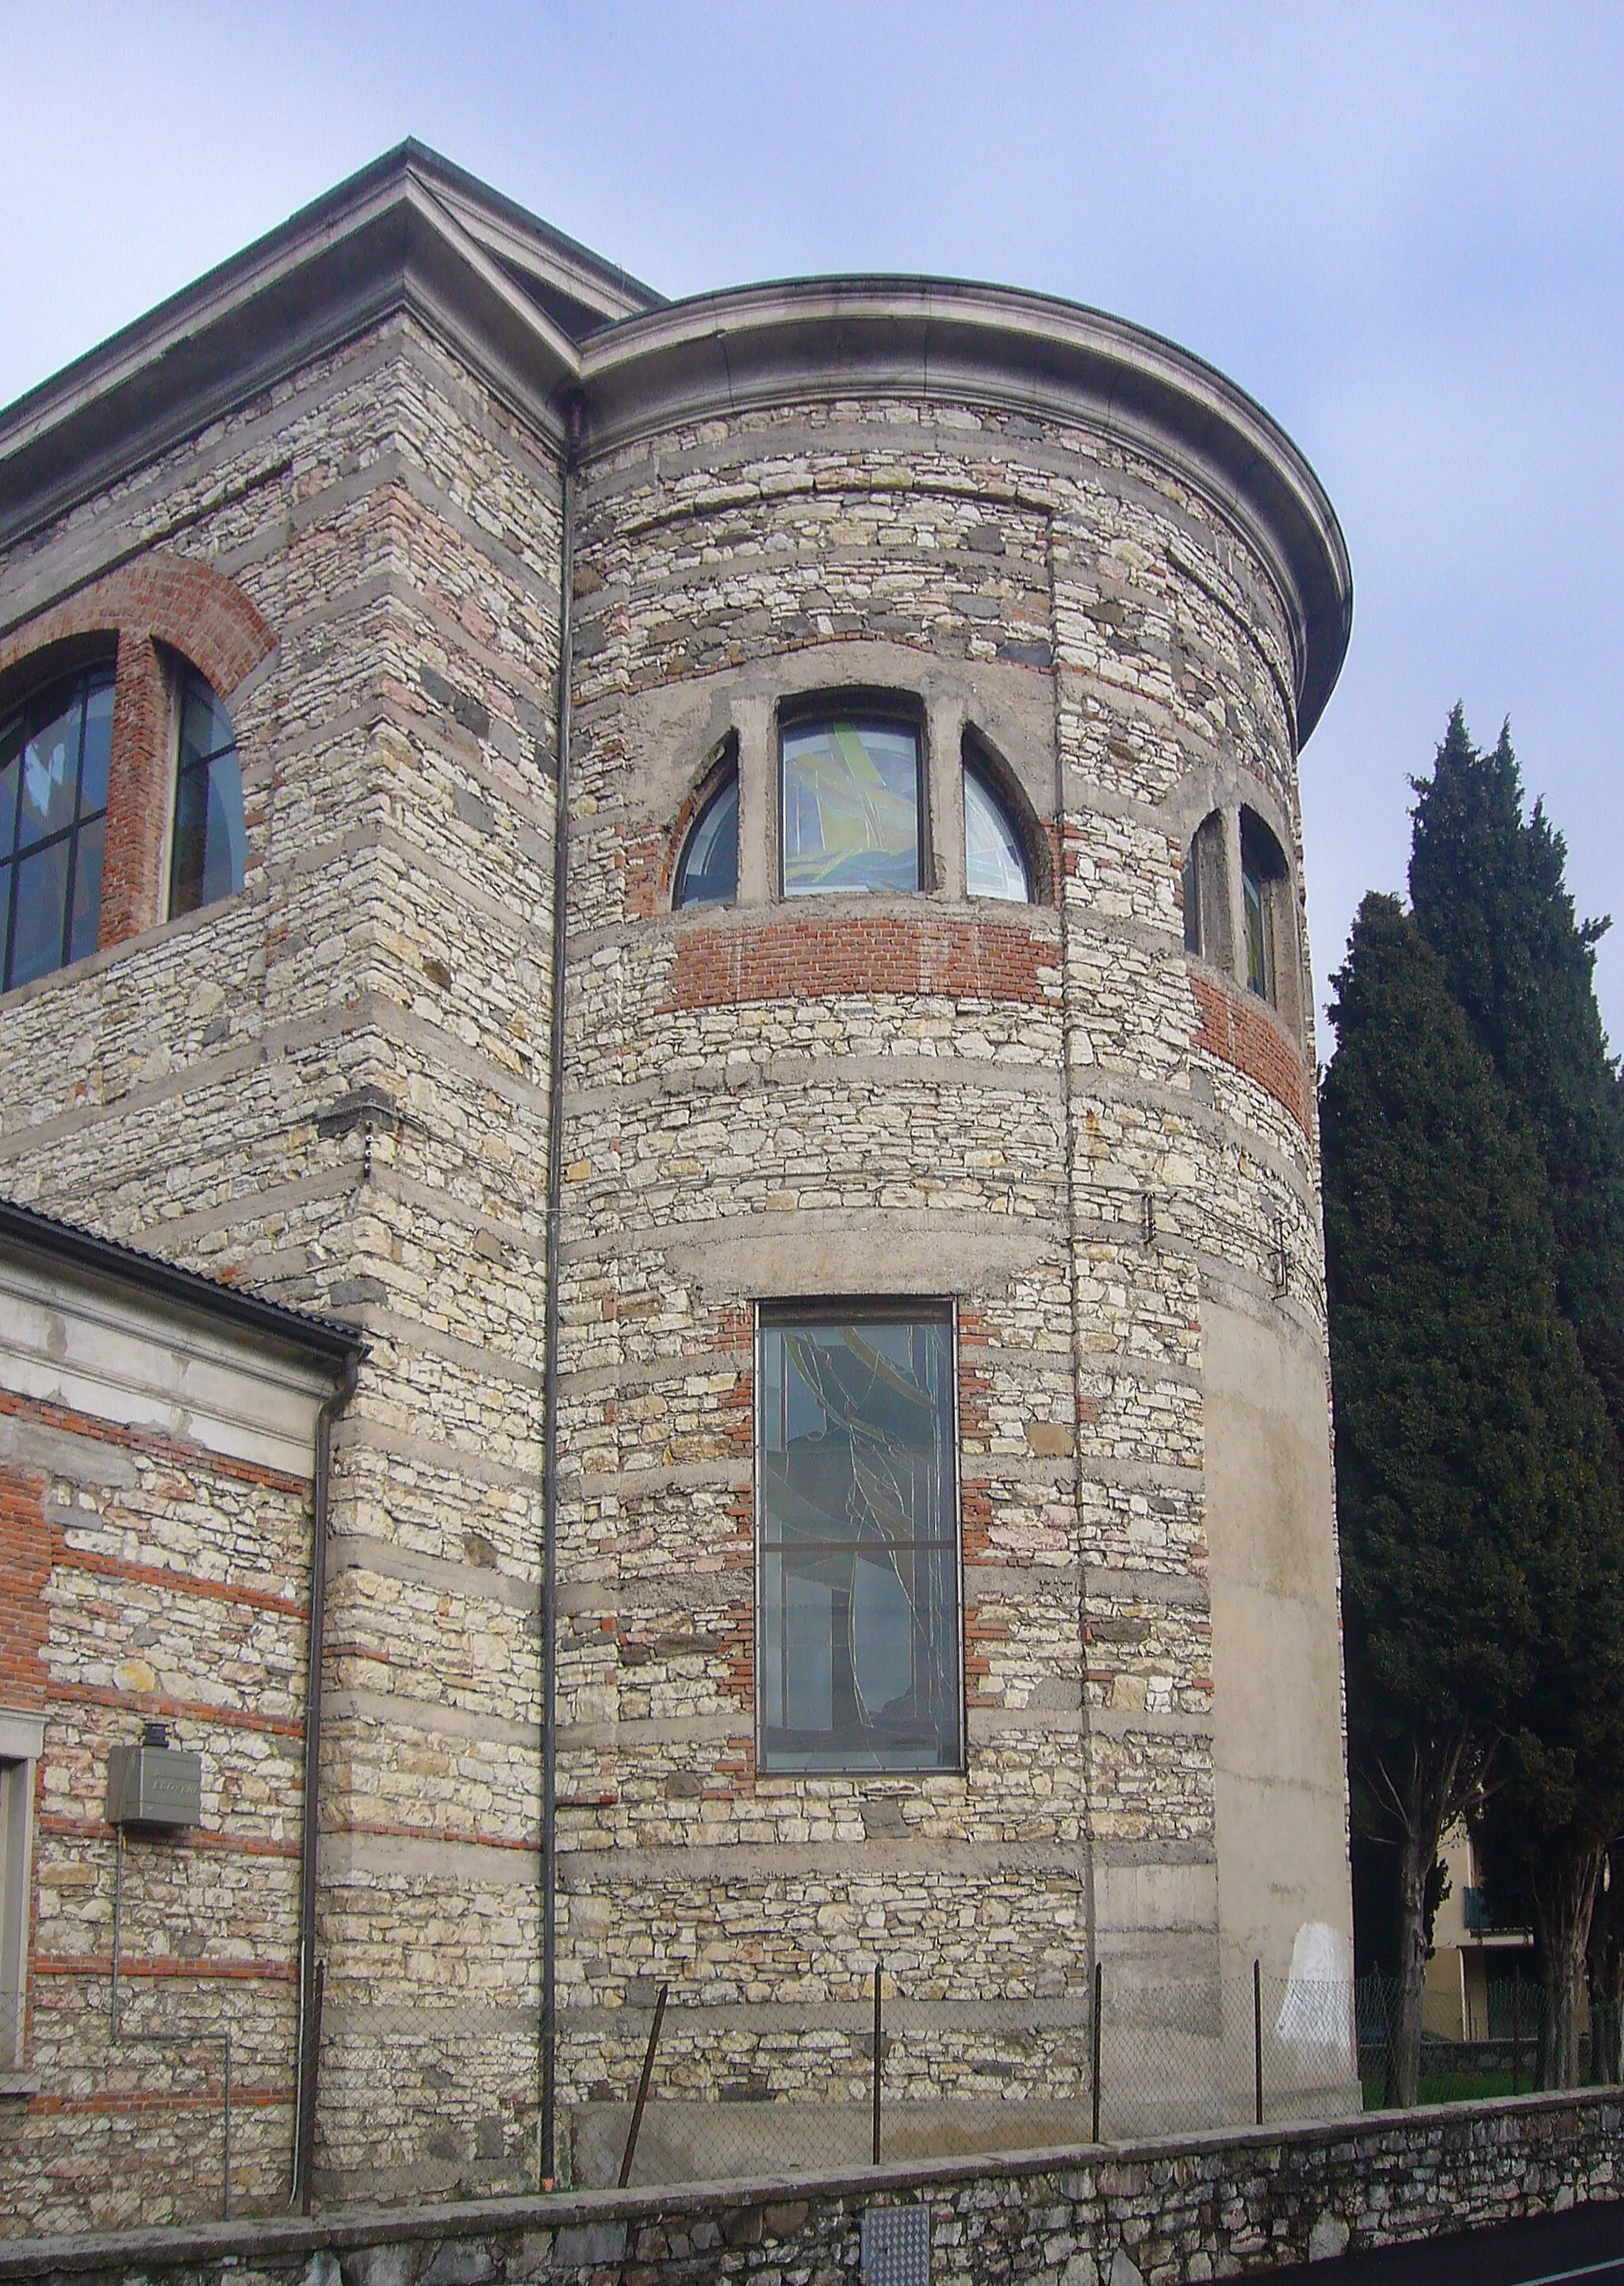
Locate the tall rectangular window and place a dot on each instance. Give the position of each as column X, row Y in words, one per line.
column 858, row 1659
column 849, row 790
column 21, row 1737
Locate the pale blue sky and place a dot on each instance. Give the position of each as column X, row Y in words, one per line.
column 1401, row 228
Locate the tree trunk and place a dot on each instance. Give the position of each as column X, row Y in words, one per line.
column 1604, row 1961
column 1563, row 1895
column 1417, row 1854
column 1426, row 1805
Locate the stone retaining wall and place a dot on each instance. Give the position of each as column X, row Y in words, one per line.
column 1146, row 2214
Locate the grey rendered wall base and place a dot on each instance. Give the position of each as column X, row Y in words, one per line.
column 1161, row 2213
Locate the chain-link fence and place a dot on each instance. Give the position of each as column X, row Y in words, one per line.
column 426, row 2102
column 915, row 2072
column 1492, row 2039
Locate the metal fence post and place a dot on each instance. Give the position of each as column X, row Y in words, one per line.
column 877, row 2028
column 629, row 2153
column 1517, row 2029
column 1099, row 1996
column 1257, row 2036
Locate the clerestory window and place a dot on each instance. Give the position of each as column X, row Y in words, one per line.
column 210, row 839
column 708, row 871
column 54, row 753
column 995, row 861
column 1263, row 878
column 858, row 1661
column 850, row 807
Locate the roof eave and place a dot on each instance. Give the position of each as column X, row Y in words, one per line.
column 383, row 243
column 945, row 338
column 47, row 1239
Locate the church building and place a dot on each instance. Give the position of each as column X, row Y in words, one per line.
column 662, row 1318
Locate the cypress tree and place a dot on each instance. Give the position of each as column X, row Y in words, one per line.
column 1490, row 895
column 1465, row 1450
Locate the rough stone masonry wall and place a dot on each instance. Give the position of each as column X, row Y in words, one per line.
column 141, row 1578
column 333, row 1086
column 754, row 1110
column 1154, row 2214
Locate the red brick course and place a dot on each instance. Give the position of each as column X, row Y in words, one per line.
column 1233, row 1026
column 183, row 604
column 143, row 1440
column 25, row 1574
column 800, row 957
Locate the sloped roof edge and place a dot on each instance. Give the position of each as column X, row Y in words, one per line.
column 43, row 1235
column 406, row 233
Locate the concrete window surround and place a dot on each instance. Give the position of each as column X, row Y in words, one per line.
column 952, row 742
column 22, row 1737
column 1245, row 906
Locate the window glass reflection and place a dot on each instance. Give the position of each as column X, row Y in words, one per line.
column 708, row 872
column 994, row 861
column 850, row 794
column 211, row 843
column 859, row 1652
column 54, row 800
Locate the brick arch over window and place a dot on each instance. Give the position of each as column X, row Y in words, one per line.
column 157, row 599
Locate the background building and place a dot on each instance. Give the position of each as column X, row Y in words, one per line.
column 940, row 1492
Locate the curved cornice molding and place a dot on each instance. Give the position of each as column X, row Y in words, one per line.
column 544, row 321
column 822, row 338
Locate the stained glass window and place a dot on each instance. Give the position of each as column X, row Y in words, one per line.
column 709, row 871
column 210, row 841
column 858, row 1659
column 850, row 794
column 994, row 861
column 54, row 753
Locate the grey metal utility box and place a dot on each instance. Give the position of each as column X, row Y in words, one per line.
column 155, row 1785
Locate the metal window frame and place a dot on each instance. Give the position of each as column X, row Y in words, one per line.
column 183, row 675
column 771, row 1314
column 81, row 680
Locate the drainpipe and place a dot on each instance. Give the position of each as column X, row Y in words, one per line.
column 304, row 2103
column 548, row 2156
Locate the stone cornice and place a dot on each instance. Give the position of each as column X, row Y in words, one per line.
column 382, row 244
column 821, row 339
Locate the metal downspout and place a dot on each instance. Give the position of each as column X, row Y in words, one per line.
column 304, row 2107
column 548, row 2155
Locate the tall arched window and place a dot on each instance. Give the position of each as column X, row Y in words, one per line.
column 54, row 750
column 1206, row 897
column 210, row 839
column 708, row 871
column 995, row 855
column 1263, row 876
